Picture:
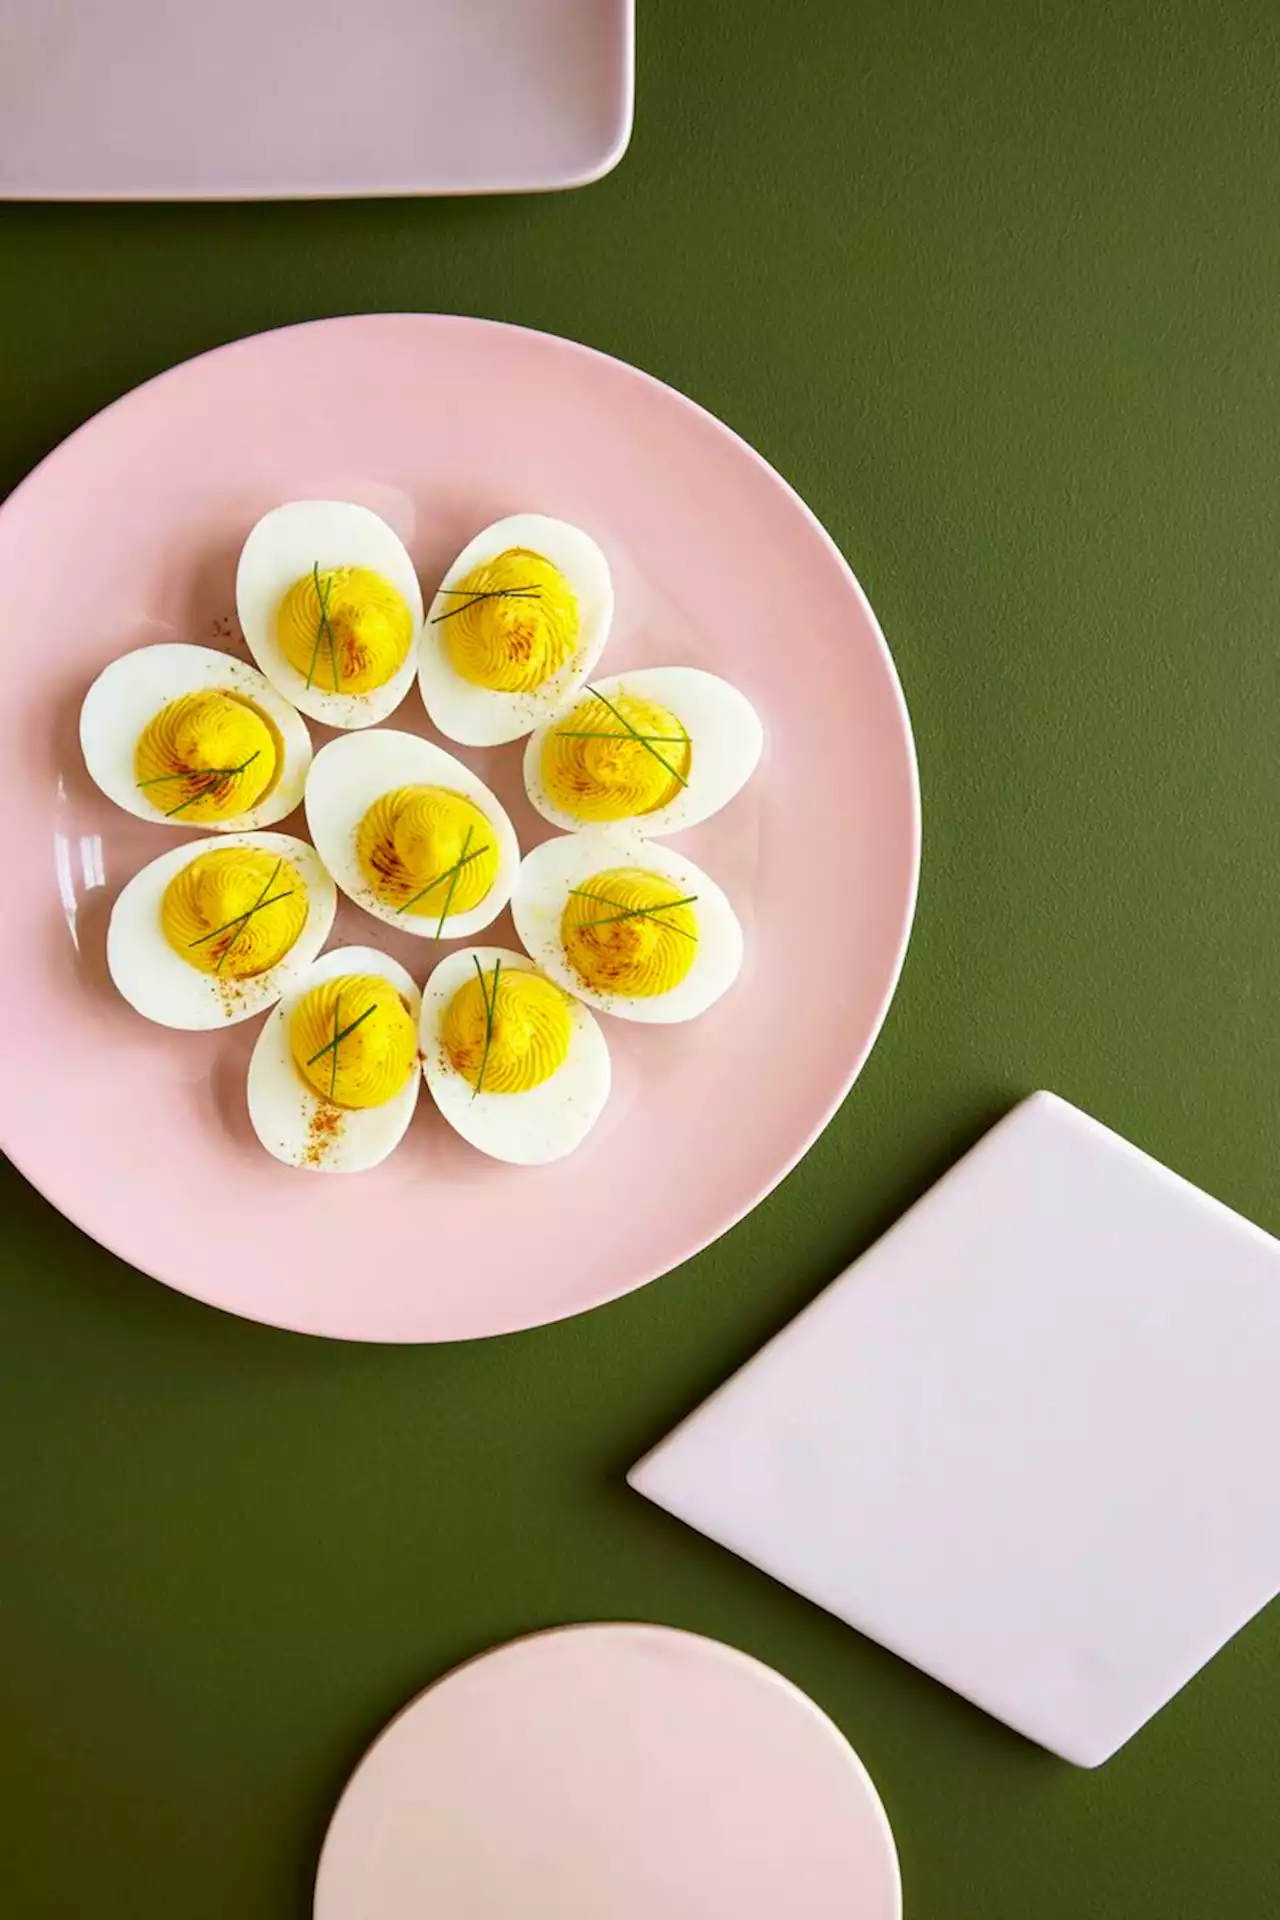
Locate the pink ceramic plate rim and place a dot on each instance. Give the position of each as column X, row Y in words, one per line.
column 444, row 422
column 610, row 1767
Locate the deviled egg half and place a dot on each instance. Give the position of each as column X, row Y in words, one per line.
column 628, row 925
column 517, row 624
column 516, row 1066
column 331, row 610
column 664, row 747
column 192, row 738
column 214, row 931
column 333, row 1081
column 411, row 835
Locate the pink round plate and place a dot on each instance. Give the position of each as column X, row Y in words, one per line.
column 611, row 1773
column 129, row 534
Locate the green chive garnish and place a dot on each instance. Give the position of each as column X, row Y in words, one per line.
column 492, row 593
column 464, row 861
column 242, row 920
column 633, row 913
column 331, row 1046
column 448, row 899
column 490, row 1011
column 209, row 779
column 200, row 773
column 622, row 719
column 325, row 627
column 662, row 739
column 333, row 1074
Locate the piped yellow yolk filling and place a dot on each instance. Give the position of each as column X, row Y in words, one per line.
column 345, row 629
column 512, row 1027
column 629, row 932
column 427, row 850
column 207, row 757
column 234, row 911
column 353, row 1041
column 617, row 759
column 511, row 623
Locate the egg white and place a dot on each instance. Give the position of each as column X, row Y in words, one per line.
column 159, row 983
column 286, row 544
column 283, row 1108
column 526, row 1129
column 126, row 697
column 550, row 872
column 348, row 775
column 482, row 716
column 726, row 743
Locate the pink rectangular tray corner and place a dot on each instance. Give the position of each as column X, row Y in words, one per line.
column 294, row 99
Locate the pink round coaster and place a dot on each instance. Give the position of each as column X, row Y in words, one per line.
column 610, row 1773
column 129, row 534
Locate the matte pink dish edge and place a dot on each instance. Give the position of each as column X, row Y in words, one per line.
column 68, row 1180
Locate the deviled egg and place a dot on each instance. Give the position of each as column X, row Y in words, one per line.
column 516, row 625
column 411, row 835
column 331, row 610
column 628, row 925
column 515, row 1065
column 664, row 747
column 333, row 1081
column 213, row 931
column 189, row 737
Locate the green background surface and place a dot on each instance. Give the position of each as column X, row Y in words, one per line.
column 996, row 286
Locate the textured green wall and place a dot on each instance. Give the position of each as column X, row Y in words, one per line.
column 996, row 286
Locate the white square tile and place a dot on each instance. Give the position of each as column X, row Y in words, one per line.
column 1030, row 1440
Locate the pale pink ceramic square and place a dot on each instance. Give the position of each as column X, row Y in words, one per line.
column 1028, row 1441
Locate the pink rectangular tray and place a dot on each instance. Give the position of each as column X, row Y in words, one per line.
column 282, row 99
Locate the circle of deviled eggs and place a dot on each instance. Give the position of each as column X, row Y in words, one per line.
column 516, row 1065
column 188, row 737
column 334, row 1080
column 628, row 925
column 411, row 834
column 516, row 625
column 331, row 609
column 213, row 931
column 663, row 747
